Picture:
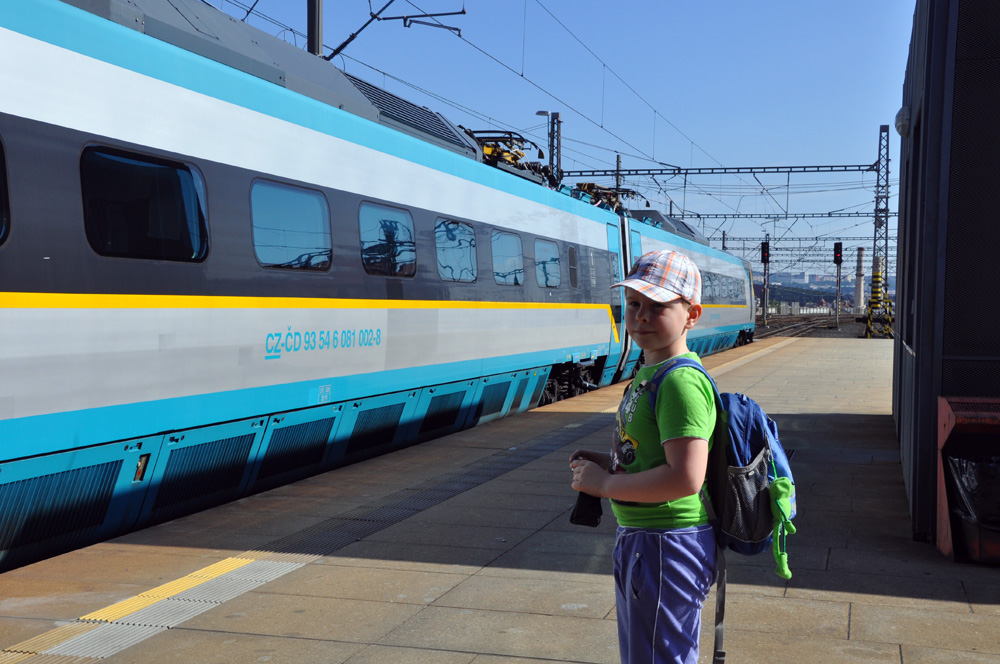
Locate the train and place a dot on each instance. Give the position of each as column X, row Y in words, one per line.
column 226, row 265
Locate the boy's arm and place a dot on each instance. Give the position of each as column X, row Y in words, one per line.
column 602, row 459
column 682, row 475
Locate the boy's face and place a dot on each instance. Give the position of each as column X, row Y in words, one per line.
column 659, row 329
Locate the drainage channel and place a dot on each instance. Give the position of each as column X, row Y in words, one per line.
column 110, row 630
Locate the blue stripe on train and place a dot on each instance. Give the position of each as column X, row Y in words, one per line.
column 60, row 431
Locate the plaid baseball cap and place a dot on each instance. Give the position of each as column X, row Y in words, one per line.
column 664, row 276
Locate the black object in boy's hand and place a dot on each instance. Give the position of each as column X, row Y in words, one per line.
column 587, row 511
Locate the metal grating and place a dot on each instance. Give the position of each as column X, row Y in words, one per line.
column 974, row 407
column 429, row 498
column 537, row 394
column 202, row 475
column 442, row 412
column 296, row 448
column 360, row 529
column 493, row 400
column 318, row 544
column 395, row 497
column 522, row 385
column 375, row 428
column 388, row 514
column 51, row 513
column 482, row 474
column 406, row 112
column 974, row 377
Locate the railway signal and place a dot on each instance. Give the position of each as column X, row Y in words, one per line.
column 838, row 258
column 765, row 252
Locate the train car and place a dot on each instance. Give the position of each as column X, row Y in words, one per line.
column 226, row 265
column 727, row 292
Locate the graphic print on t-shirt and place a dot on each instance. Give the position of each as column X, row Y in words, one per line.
column 623, row 447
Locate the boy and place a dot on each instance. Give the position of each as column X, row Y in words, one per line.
column 664, row 556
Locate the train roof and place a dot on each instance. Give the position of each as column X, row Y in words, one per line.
column 672, row 224
column 200, row 28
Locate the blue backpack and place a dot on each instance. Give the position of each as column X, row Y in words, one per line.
column 750, row 485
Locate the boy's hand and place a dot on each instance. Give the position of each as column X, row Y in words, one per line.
column 588, row 477
column 602, row 459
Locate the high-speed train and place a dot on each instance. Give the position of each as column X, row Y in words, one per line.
column 226, row 265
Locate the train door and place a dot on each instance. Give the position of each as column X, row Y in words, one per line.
column 617, row 332
column 634, row 247
column 630, row 351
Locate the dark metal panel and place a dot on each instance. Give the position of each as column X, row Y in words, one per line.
column 201, row 29
column 443, row 412
column 947, row 228
column 374, row 430
column 412, row 116
column 58, row 502
column 201, row 468
column 293, row 451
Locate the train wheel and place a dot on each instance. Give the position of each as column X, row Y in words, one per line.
column 550, row 394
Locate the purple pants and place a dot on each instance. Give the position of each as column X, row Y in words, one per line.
column 661, row 580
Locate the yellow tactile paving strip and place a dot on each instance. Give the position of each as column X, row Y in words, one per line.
column 150, row 597
column 39, row 644
column 49, row 639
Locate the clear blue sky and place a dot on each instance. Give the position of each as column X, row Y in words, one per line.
column 685, row 83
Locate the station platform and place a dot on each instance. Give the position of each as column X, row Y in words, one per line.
column 460, row 551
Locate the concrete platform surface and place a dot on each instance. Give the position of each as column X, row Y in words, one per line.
column 460, row 551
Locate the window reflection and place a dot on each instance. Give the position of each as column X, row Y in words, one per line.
column 508, row 260
column 291, row 226
column 547, row 264
column 456, row 250
column 387, row 242
column 4, row 201
column 572, row 267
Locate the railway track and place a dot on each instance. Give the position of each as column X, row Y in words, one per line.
column 791, row 326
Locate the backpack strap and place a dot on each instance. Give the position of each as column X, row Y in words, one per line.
column 671, row 365
column 716, row 473
column 719, row 656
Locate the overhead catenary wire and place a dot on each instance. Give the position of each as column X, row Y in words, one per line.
column 716, row 192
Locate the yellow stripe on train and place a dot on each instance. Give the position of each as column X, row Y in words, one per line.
column 125, row 301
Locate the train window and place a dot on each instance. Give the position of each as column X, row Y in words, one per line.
column 614, row 276
column 456, row 250
column 547, row 264
column 573, row 279
column 387, row 243
column 4, row 200
column 291, row 226
column 135, row 206
column 708, row 286
column 508, row 261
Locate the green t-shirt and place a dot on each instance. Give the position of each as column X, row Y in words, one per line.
column 685, row 408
